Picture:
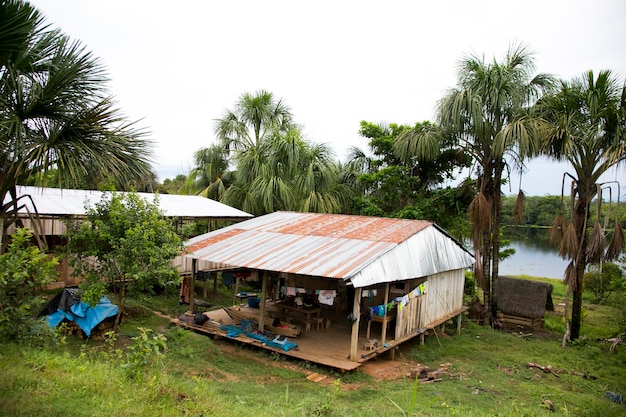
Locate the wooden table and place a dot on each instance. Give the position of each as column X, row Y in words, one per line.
column 307, row 312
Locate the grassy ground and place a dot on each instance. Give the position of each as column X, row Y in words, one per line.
column 199, row 376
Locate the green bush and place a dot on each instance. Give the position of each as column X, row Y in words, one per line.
column 24, row 272
column 469, row 288
column 603, row 282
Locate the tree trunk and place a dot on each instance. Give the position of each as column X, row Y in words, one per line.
column 580, row 219
column 495, row 238
column 121, row 300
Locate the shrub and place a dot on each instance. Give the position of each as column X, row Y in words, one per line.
column 24, row 272
column 603, row 282
column 469, row 288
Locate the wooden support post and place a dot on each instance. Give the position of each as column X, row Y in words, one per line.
column 215, row 281
column 236, row 290
column 204, row 288
column 356, row 312
column 458, row 323
column 192, row 285
column 384, row 334
column 264, row 276
column 422, row 339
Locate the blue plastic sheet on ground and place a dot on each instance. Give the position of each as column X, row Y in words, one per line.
column 233, row 331
column 85, row 316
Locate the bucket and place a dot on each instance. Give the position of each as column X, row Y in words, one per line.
column 253, row 302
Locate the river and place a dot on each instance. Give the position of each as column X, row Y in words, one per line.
column 534, row 255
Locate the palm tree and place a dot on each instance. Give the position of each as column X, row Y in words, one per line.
column 287, row 172
column 487, row 115
column 209, row 177
column 276, row 167
column 588, row 125
column 255, row 117
column 54, row 113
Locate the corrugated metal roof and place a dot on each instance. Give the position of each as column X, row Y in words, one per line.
column 365, row 250
column 65, row 202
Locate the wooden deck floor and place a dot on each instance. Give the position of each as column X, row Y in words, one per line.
column 328, row 347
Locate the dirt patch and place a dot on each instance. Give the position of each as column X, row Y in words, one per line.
column 387, row 370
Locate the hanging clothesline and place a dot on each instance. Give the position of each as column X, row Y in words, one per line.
column 381, row 310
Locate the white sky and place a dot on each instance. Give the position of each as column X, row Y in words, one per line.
column 179, row 65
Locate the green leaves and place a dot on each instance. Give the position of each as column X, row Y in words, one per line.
column 126, row 245
column 55, row 114
column 24, row 272
column 276, row 167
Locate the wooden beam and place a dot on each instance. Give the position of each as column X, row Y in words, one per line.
column 264, row 276
column 192, row 285
column 236, row 290
column 384, row 333
column 356, row 312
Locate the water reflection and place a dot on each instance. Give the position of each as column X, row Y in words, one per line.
column 534, row 255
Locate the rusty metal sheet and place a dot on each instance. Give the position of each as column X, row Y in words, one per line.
column 366, row 250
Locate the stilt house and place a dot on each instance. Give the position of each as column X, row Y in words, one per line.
column 407, row 275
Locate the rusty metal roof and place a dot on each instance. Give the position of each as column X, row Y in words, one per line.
column 364, row 250
column 56, row 202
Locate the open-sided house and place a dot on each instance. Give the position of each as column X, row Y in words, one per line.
column 401, row 277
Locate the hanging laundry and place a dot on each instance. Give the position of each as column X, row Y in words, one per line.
column 327, row 297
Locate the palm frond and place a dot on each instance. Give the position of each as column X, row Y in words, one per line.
column 479, row 211
column 596, row 244
column 570, row 276
column 559, row 224
column 569, row 243
column 616, row 245
column 518, row 210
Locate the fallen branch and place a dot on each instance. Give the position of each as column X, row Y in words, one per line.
column 545, row 369
column 615, row 341
column 556, row 372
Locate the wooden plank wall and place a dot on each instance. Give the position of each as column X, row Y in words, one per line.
column 444, row 296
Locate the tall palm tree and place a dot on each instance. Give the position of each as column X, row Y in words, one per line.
column 276, row 167
column 54, row 111
column 487, row 115
column 287, row 172
column 588, row 130
column 255, row 117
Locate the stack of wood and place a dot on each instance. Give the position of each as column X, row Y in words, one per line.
column 513, row 321
column 426, row 375
column 97, row 333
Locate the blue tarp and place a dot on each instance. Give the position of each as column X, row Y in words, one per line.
column 234, row 331
column 86, row 317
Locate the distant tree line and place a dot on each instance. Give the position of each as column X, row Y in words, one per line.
column 540, row 211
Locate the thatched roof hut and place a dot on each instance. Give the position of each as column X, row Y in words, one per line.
column 524, row 298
